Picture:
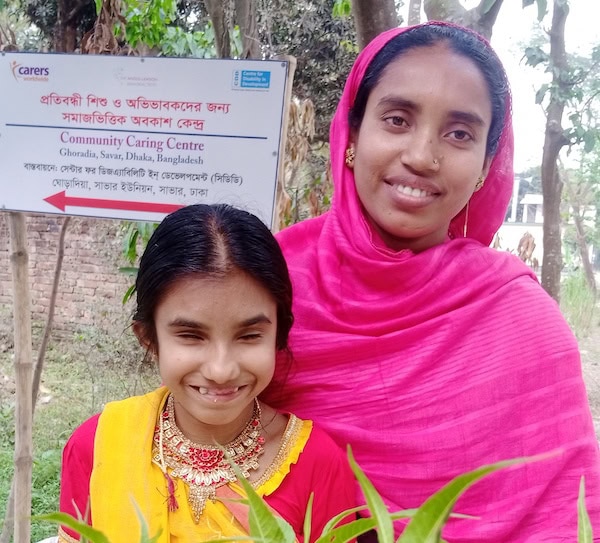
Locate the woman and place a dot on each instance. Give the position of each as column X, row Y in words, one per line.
column 213, row 308
column 427, row 351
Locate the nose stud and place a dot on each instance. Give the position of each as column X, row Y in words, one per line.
column 436, row 161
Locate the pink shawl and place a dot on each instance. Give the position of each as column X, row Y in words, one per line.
column 433, row 364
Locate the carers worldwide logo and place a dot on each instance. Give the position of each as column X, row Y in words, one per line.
column 23, row 72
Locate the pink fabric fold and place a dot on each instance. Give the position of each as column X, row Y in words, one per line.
column 436, row 363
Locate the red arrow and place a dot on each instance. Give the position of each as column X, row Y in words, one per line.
column 61, row 200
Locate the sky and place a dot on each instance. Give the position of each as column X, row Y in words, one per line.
column 513, row 28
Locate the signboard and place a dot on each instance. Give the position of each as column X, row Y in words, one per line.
column 136, row 138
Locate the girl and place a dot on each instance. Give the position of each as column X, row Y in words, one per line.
column 213, row 309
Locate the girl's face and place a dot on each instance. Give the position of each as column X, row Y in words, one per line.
column 216, row 351
column 421, row 145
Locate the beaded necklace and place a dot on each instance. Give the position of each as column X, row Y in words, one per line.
column 203, row 467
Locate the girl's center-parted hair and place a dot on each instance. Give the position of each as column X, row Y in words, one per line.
column 211, row 241
column 460, row 41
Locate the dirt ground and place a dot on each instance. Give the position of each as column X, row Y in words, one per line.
column 590, row 356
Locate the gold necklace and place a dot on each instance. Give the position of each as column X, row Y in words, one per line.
column 203, row 467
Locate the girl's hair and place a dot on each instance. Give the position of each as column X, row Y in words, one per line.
column 461, row 41
column 211, row 241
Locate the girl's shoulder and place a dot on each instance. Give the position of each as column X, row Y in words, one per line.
column 82, row 438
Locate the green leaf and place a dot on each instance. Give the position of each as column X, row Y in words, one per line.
column 98, row 7
column 542, row 9
column 379, row 512
column 589, row 141
column 342, row 8
column 584, row 526
column 539, row 95
column 128, row 294
column 487, row 5
column 145, row 535
column 83, row 529
column 348, row 532
column 542, row 6
column 426, row 525
column 332, row 523
column 308, row 518
column 265, row 526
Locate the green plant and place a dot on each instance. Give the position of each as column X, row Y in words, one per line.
column 136, row 236
column 425, row 525
column 577, row 303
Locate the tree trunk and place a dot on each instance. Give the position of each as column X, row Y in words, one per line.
column 575, row 201
column 373, row 17
column 39, row 365
column 216, row 11
column 23, row 373
column 583, row 250
column 414, row 12
column 554, row 140
column 245, row 13
column 67, row 16
column 453, row 11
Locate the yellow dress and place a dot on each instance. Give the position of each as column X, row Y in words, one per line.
column 125, row 479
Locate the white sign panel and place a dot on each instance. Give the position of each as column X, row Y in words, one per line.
column 136, row 138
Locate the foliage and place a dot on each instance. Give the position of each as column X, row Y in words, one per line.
column 576, row 301
column 584, row 526
column 13, row 19
column 582, row 98
column 324, row 46
column 146, row 22
column 425, row 525
column 342, row 8
column 82, row 372
column 136, row 235
column 44, row 14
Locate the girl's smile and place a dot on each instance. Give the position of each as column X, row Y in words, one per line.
column 216, row 351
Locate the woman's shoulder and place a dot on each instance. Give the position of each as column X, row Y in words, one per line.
column 297, row 237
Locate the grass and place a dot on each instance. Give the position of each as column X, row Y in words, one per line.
column 577, row 304
column 81, row 373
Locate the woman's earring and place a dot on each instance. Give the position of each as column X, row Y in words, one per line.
column 350, row 155
column 480, row 183
column 466, row 220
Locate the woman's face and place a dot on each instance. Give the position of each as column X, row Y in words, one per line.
column 421, row 146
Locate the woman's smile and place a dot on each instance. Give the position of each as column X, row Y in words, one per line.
column 414, row 193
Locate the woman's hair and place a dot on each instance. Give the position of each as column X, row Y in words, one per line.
column 461, row 41
column 211, row 241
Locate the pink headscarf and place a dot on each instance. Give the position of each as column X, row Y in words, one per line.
column 487, row 207
column 435, row 363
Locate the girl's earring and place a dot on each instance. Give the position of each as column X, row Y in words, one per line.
column 480, row 183
column 350, row 155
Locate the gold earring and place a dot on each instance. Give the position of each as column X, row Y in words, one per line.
column 350, row 155
column 466, row 220
column 480, row 183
